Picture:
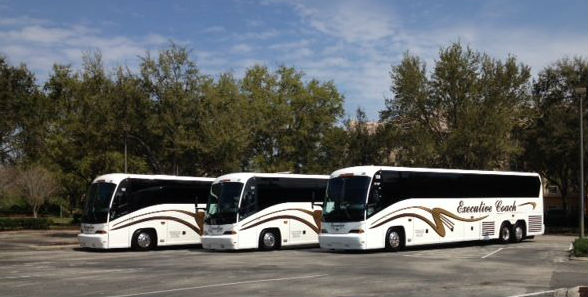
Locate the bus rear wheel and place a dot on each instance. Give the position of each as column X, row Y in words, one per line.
column 144, row 240
column 269, row 240
column 519, row 232
column 394, row 239
column 506, row 233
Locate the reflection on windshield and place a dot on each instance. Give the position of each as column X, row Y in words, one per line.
column 223, row 203
column 98, row 200
column 345, row 200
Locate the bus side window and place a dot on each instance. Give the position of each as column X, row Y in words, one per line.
column 120, row 205
column 249, row 202
column 375, row 198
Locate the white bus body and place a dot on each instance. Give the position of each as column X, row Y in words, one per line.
column 375, row 207
column 263, row 210
column 142, row 211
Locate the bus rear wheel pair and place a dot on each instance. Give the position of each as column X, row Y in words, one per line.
column 510, row 233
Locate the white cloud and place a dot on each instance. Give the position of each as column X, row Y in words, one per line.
column 241, row 48
column 214, row 29
column 22, row 20
column 258, row 35
column 352, row 21
column 40, row 46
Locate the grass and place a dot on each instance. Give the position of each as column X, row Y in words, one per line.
column 581, row 247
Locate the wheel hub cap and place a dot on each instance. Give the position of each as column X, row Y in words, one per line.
column 519, row 233
column 144, row 240
column 394, row 239
column 269, row 240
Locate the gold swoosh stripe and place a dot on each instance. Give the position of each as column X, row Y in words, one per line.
column 438, row 219
column 316, row 215
column 313, row 227
column 148, row 213
column 529, row 203
column 195, row 228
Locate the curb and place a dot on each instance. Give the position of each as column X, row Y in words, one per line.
column 580, row 291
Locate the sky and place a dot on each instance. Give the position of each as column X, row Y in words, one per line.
column 352, row 43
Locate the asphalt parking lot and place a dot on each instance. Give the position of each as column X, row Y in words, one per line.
column 33, row 266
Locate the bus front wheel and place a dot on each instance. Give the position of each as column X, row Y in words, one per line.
column 394, row 239
column 144, row 240
column 269, row 240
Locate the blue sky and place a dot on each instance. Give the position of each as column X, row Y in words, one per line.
column 352, row 43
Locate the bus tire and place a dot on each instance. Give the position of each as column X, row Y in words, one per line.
column 505, row 233
column 269, row 239
column 144, row 239
column 518, row 232
column 395, row 239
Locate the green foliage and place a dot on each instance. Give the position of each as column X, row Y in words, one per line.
column 581, row 247
column 20, row 101
column 469, row 111
column 463, row 115
column 23, row 223
column 551, row 141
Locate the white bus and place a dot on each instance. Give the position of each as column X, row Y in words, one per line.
column 374, row 207
column 142, row 211
column 263, row 210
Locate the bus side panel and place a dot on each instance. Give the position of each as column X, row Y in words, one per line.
column 301, row 233
column 178, row 233
column 119, row 238
column 184, row 228
column 249, row 239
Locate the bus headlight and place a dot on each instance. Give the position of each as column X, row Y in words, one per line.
column 324, row 231
column 230, row 232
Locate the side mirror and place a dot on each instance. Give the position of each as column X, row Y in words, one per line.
column 314, row 203
column 196, row 201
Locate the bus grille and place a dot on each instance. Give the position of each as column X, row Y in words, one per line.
column 535, row 223
column 487, row 228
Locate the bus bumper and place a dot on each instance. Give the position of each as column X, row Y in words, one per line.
column 220, row 242
column 342, row 241
column 94, row 241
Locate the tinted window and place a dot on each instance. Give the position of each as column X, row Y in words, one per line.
column 345, row 200
column 223, row 203
column 272, row 191
column 97, row 203
column 398, row 185
column 134, row 194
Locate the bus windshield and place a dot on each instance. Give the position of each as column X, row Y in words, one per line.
column 345, row 199
column 223, row 203
column 97, row 203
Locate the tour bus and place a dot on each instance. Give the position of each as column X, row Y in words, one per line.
column 263, row 210
column 375, row 207
column 142, row 211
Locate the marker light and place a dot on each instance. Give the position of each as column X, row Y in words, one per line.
column 358, row 231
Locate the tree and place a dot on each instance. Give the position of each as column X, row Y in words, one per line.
column 363, row 142
column 463, row 115
column 226, row 127
column 20, row 112
column 291, row 118
column 36, row 184
column 551, row 142
column 175, row 85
